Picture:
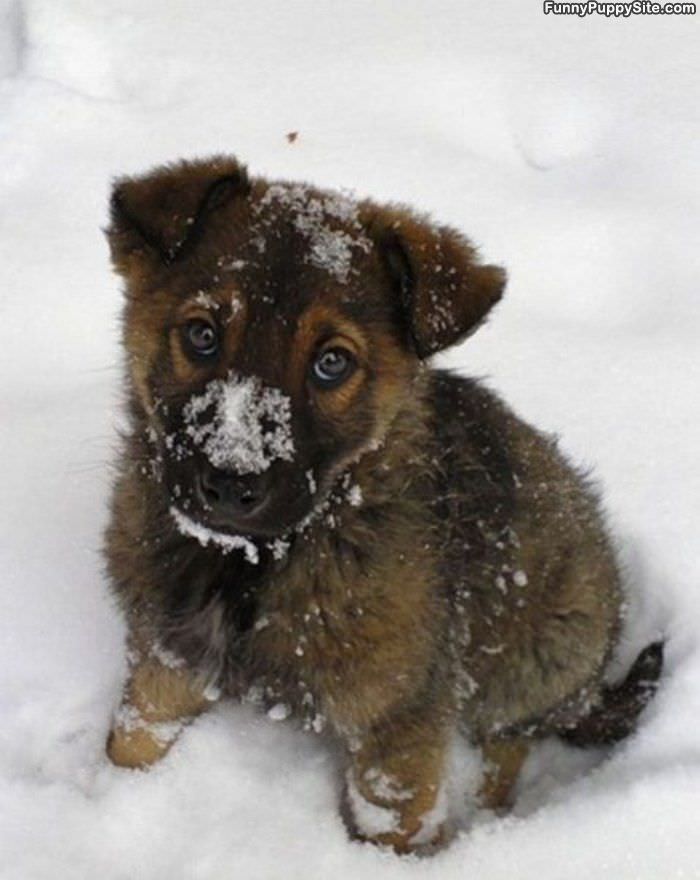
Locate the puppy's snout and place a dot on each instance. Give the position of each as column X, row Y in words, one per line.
column 231, row 495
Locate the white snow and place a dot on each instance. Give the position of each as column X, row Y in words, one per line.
column 279, row 548
column 567, row 148
column 433, row 820
column 129, row 718
column 384, row 786
column 355, row 496
column 187, row 526
column 311, row 481
column 240, row 424
column 520, row 578
column 165, row 657
column 279, row 712
column 369, row 818
column 11, row 37
column 330, row 248
column 206, row 300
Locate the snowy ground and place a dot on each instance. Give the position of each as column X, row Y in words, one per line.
column 568, row 149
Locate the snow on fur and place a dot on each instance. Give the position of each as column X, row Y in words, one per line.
column 240, row 424
column 207, row 536
column 369, row 818
column 330, row 248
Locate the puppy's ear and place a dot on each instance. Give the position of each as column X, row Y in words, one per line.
column 160, row 216
column 444, row 292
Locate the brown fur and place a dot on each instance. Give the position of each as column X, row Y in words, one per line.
column 467, row 583
column 503, row 759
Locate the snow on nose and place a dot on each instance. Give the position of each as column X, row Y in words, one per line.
column 240, row 424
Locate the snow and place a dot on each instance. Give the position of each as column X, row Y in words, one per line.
column 240, row 424
column 384, row 786
column 205, row 536
column 520, row 578
column 11, row 37
column 329, row 249
column 128, row 718
column 279, row 712
column 369, row 818
column 566, row 148
column 355, row 496
column 165, row 657
column 432, row 821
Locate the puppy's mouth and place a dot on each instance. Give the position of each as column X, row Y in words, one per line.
column 221, row 507
column 206, row 535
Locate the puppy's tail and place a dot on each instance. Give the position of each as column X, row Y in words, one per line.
column 615, row 716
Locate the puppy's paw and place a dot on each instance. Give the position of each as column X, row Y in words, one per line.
column 408, row 823
column 404, row 843
column 136, row 748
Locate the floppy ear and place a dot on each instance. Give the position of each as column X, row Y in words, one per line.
column 160, row 216
column 444, row 292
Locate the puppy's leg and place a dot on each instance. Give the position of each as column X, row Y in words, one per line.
column 159, row 698
column 504, row 759
column 394, row 795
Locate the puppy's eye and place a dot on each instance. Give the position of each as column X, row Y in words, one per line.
column 332, row 367
column 201, row 338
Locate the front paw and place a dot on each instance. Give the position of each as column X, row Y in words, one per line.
column 134, row 748
column 407, row 843
column 408, row 824
column 137, row 742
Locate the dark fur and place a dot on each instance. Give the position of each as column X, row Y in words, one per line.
column 474, row 586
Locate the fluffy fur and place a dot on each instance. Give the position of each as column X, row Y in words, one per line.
column 424, row 561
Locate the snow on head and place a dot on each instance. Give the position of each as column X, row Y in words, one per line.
column 317, row 217
column 240, row 424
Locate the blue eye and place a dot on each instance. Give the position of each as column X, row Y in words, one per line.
column 202, row 338
column 332, row 367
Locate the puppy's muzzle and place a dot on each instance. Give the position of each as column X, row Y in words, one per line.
column 232, row 499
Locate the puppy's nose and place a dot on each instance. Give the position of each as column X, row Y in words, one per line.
column 232, row 494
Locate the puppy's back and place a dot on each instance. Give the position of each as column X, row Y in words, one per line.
column 527, row 563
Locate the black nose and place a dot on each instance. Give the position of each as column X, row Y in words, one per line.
column 231, row 494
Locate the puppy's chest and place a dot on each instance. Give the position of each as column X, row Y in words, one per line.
column 341, row 629
column 311, row 617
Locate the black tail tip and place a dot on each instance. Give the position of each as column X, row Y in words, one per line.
column 615, row 717
column 648, row 665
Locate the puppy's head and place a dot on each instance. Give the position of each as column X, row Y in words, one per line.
column 274, row 331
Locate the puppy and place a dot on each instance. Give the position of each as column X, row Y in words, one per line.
column 306, row 512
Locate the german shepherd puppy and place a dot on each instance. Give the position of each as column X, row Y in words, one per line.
column 308, row 513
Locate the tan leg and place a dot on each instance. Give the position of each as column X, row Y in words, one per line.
column 393, row 795
column 503, row 759
column 159, row 698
